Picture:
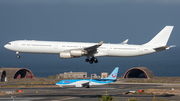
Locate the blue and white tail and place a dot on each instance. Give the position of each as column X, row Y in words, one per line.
column 114, row 74
column 161, row 38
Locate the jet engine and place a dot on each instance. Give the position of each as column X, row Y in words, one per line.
column 65, row 55
column 72, row 53
column 78, row 85
column 77, row 52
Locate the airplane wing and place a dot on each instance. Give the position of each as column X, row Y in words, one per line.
column 93, row 48
column 85, row 84
column 88, row 51
column 82, row 83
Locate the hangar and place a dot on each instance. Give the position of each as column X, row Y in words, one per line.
column 138, row 72
column 3, row 75
column 15, row 73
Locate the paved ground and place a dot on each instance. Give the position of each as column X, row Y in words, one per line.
column 88, row 94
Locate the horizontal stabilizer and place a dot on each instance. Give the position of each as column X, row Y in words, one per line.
column 172, row 46
column 161, row 48
column 164, row 48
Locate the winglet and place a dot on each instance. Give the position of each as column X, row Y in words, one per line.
column 100, row 43
column 124, row 42
column 93, row 48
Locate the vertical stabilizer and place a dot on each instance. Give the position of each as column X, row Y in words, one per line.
column 114, row 74
column 161, row 38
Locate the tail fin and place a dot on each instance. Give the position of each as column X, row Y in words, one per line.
column 114, row 74
column 161, row 38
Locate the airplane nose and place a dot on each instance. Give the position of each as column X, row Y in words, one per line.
column 5, row 46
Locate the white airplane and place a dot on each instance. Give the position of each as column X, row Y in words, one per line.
column 68, row 50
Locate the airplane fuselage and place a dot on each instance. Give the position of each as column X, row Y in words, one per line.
column 69, row 50
column 55, row 47
column 79, row 82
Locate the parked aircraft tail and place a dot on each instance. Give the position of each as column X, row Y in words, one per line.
column 161, row 38
column 114, row 74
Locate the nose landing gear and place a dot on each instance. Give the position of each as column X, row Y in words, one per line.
column 18, row 55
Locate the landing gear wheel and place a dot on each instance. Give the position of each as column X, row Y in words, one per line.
column 91, row 61
column 87, row 86
column 95, row 60
column 87, row 60
column 18, row 56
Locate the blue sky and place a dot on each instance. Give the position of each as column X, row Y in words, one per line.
column 111, row 21
column 88, row 21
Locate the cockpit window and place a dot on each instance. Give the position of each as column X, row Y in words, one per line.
column 9, row 43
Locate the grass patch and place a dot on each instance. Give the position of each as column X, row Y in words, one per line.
column 157, row 80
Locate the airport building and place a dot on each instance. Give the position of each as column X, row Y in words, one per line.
column 94, row 76
column 17, row 73
column 138, row 72
column 104, row 75
column 72, row 75
column 3, row 77
column 14, row 73
column 80, row 75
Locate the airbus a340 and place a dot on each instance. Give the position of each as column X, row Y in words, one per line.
column 68, row 50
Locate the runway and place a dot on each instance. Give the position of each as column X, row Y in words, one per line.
column 81, row 94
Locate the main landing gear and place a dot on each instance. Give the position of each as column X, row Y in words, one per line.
column 93, row 59
column 18, row 55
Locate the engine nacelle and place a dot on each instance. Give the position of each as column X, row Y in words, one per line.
column 78, row 85
column 65, row 55
column 77, row 52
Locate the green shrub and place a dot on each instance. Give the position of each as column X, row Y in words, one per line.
column 52, row 77
column 106, row 98
column 133, row 99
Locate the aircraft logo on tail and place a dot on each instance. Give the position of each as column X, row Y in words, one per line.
column 113, row 75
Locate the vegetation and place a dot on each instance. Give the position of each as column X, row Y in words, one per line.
column 157, row 80
column 110, row 98
column 31, row 82
column 106, row 98
column 155, row 99
column 52, row 77
column 133, row 99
